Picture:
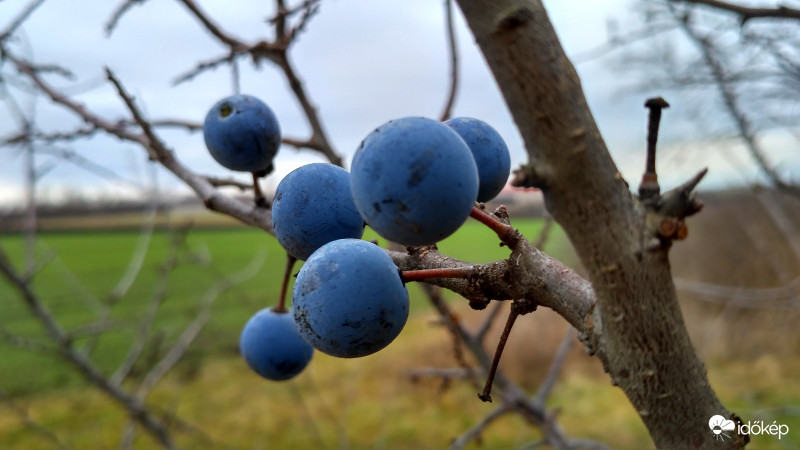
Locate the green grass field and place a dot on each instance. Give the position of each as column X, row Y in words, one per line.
column 85, row 267
column 368, row 402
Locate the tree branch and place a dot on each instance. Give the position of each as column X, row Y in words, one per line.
column 84, row 366
column 453, row 52
column 635, row 327
column 746, row 13
column 733, row 107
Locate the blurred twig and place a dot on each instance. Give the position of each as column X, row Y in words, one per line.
column 452, row 47
column 147, row 321
column 177, row 351
column 746, row 12
column 21, row 17
column 118, row 13
column 731, row 102
column 755, row 298
column 555, row 366
column 138, row 411
column 30, row 423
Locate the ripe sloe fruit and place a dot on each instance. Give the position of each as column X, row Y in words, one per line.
column 242, row 134
column 348, row 299
column 312, row 207
column 414, row 180
column 272, row 347
column 490, row 153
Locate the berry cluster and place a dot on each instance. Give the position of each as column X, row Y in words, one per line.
column 413, row 180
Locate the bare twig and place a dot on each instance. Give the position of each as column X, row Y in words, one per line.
column 136, row 261
column 476, row 430
column 486, row 325
column 756, row 298
column 85, row 367
column 21, row 17
column 544, row 233
column 444, row 373
column 309, row 9
column 555, row 367
column 30, row 423
column 119, row 12
column 176, row 352
column 618, row 42
column 146, row 323
column 778, row 216
column 220, row 182
column 452, row 48
column 24, row 341
column 733, row 107
column 205, row 66
column 746, row 13
column 211, row 26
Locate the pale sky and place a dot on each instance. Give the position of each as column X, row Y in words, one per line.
column 363, row 63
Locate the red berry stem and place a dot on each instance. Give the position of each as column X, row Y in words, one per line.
column 290, row 260
column 424, row 274
column 503, row 231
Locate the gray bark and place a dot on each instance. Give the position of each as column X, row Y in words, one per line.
column 635, row 326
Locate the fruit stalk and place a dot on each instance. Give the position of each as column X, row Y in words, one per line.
column 260, row 200
column 290, row 260
column 503, row 231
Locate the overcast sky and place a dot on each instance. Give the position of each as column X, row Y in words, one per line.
column 363, row 62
